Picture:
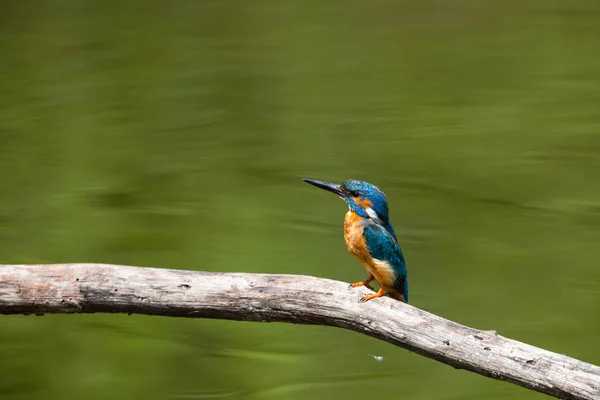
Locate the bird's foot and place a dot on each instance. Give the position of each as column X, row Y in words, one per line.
column 358, row 284
column 372, row 296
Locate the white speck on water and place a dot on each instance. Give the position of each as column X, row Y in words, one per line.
column 377, row 358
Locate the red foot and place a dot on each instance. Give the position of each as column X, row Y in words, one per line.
column 363, row 283
column 372, row 296
column 357, row 284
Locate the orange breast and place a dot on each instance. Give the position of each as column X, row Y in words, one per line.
column 355, row 242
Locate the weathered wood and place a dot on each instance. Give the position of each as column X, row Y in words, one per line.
column 92, row 288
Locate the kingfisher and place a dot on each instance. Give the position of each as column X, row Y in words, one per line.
column 370, row 237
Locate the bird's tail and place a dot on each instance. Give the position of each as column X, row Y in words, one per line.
column 400, row 291
column 399, row 296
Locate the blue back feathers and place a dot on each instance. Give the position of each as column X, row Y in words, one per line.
column 383, row 246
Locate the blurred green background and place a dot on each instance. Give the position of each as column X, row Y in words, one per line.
column 174, row 134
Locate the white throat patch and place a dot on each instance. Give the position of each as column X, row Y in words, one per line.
column 371, row 213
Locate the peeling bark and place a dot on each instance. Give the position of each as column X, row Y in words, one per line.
column 92, row 288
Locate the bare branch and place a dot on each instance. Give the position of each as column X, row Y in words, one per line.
column 91, row 288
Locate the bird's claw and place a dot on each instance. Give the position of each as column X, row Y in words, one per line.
column 365, row 284
column 368, row 297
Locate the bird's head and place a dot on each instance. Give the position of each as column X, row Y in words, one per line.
column 363, row 198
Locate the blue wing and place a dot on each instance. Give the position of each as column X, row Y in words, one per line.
column 383, row 246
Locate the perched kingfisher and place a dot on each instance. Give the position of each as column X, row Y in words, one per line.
column 370, row 237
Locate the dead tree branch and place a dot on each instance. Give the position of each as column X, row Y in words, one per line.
column 93, row 288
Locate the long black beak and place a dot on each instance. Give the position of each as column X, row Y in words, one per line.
column 330, row 187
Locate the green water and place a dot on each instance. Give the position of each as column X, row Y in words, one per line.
column 174, row 134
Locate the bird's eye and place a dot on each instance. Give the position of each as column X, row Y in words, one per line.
column 355, row 193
